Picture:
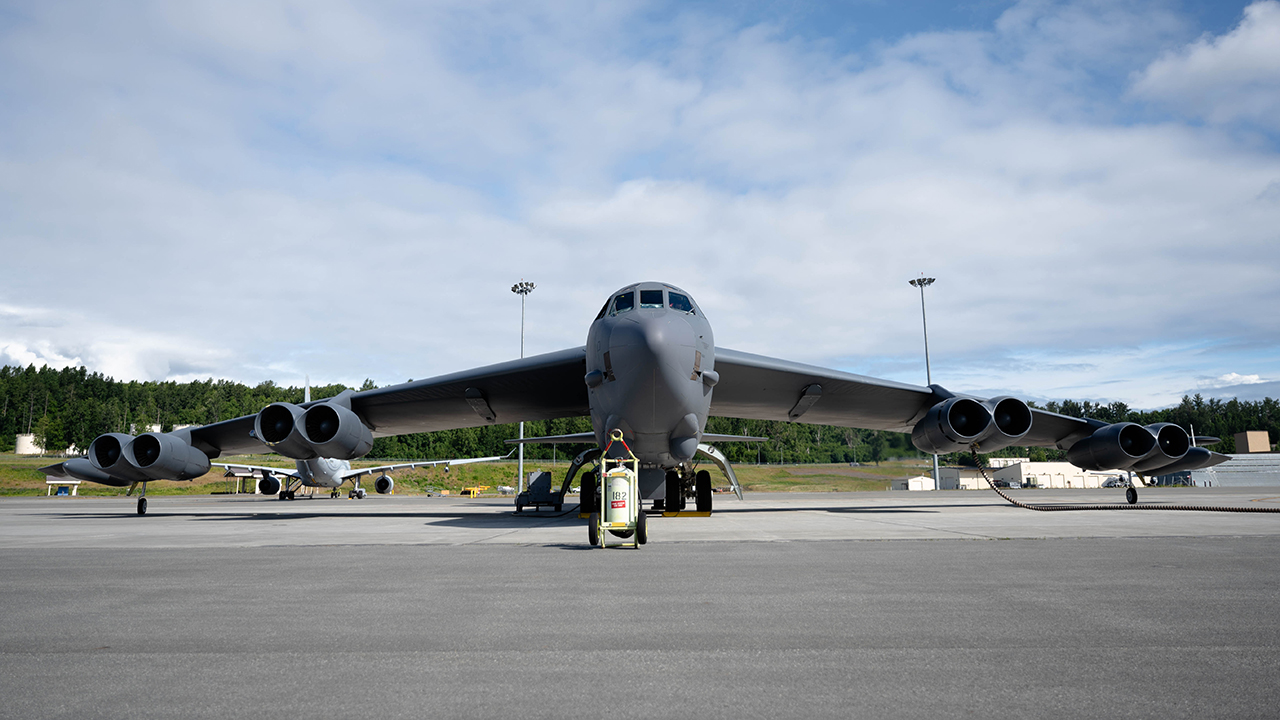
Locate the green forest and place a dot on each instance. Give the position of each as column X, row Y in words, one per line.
column 68, row 408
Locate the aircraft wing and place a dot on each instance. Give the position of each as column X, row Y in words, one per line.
column 358, row 472
column 542, row 387
column 281, row 472
column 756, row 387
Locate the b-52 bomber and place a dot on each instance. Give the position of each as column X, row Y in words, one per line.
column 651, row 369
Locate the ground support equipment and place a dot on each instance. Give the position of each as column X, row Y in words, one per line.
column 618, row 512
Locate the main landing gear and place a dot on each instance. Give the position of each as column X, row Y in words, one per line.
column 357, row 492
column 142, row 497
column 678, row 487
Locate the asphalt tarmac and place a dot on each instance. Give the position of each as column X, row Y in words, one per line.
column 900, row 604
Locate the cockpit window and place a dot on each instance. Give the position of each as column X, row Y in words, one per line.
column 624, row 302
column 603, row 310
column 680, row 302
column 650, row 298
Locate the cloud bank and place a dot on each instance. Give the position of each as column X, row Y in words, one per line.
column 262, row 190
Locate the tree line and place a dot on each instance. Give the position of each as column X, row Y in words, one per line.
column 70, row 407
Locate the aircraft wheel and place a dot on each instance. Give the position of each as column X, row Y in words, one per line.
column 593, row 529
column 284, row 495
column 558, row 506
column 588, row 498
column 142, row 505
column 702, row 482
column 1131, row 495
column 360, row 495
column 642, row 529
column 519, row 507
column 675, row 492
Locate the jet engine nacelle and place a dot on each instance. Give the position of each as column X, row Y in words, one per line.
column 1115, row 447
column 1196, row 458
column 384, row 485
column 269, row 485
column 163, row 456
column 151, row 456
column 1172, row 444
column 279, row 427
column 336, row 432
column 955, row 424
column 951, row 426
column 107, row 455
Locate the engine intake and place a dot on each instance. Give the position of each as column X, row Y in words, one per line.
column 384, row 485
column 163, row 456
column 952, row 425
column 335, row 431
column 1115, row 447
column 1010, row 422
column 269, row 484
column 278, row 426
column 106, row 452
column 1171, row 445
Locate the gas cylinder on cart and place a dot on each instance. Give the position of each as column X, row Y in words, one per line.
column 618, row 498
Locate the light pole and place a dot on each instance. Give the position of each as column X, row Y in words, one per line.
column 923, row 282
column 522, row 289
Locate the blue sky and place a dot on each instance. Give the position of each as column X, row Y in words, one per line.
column 347, row 190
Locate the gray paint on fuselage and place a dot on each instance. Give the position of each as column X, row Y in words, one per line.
column 322, row 472
column 651, row 390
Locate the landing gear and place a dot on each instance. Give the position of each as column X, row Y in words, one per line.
column 286, row 494
column 142, row 505
column 588, row 499
column 357, row 492
column 333, row 493
column 1131, row 495
column 702, row 484
column 675, row 492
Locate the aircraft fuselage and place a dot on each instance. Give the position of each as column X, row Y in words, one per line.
column 650, row 369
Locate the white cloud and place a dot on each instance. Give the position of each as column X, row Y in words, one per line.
column 1229, row 77
column 1230, row 379
column 266, row 190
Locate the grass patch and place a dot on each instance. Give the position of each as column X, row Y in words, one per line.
column 19, row 475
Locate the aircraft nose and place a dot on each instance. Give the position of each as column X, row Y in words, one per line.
column 661, row 336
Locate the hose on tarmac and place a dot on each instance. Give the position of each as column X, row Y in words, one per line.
column 977, row 460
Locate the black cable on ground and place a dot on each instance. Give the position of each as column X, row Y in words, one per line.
column 1057, row 508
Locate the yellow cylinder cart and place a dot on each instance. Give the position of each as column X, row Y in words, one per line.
column 619, row 513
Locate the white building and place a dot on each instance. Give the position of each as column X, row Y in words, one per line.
column 915, row 484
column 26, row 445
column 1021, row 472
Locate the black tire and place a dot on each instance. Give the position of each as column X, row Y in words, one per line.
column 142, row 505
column 284, row 494
column 587, row 499
column 675, row 492
column 642, row 529
column 558, row 507
column 1131, row 495
column 519, row 507
column 702, row 484
column 593, row 529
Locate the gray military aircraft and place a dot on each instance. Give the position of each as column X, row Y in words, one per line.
column 651, row 369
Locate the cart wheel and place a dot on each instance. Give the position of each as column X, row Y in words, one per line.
column 702, row 483
column 593, row 529
column 642, row 529
column 1131, row 495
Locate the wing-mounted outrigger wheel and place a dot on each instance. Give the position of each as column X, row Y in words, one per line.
column 721, row 462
